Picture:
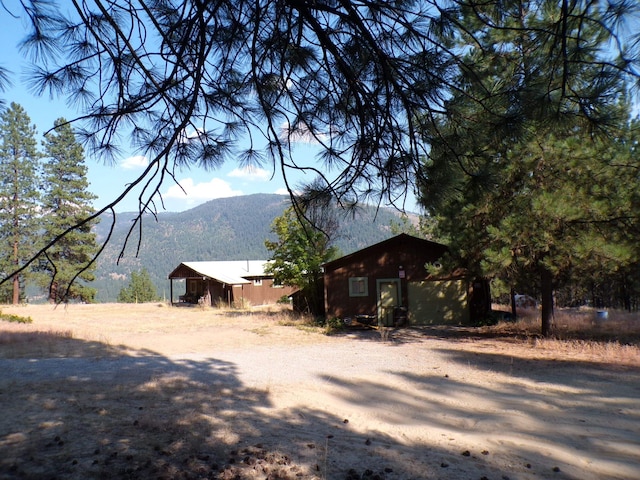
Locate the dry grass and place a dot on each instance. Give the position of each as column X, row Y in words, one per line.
column 16, row 344
column 138, row 329
column 115, row 329
column 579, row 333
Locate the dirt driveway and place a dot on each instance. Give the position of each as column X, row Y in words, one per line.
column 148, row 391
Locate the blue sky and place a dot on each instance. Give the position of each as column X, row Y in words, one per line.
column 108, row 181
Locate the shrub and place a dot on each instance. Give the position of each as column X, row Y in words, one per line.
column 7, row 317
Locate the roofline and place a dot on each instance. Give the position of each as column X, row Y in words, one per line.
column 376, row 245
column 225, row 279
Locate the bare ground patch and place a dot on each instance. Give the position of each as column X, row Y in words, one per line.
column 148, row 391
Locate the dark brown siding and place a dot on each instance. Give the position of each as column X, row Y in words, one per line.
column 217, row 294
column 221, row 294
column 184, row 272
column 338, row 302
column 402, row 257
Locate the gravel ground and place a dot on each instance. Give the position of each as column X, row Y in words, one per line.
column 284, row 403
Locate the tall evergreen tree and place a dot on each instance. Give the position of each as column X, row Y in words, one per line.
column 523, row 186
column 67, row 266
column 607, row 276
column 19, row 195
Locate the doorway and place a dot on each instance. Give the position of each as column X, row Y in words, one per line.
column 388, row 298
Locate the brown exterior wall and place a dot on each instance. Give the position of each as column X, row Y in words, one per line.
column 402, row 257
column 215, row 293
column 264, row 294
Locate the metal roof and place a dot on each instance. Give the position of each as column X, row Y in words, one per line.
column 229, row 272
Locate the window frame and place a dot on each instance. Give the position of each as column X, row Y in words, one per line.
column 356, row 281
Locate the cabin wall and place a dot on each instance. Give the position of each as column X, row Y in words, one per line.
column 352, row 288
column 260, row 292
column 393, row 282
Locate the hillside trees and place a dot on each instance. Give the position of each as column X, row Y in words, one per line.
column 524, row 183
column 19, row 197
column 67, row 267
column 228, row 229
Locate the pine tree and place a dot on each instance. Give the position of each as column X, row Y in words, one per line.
column 19, row 196
column 358, row 78
column 140, row 289
column 67, row 266
column 522, row 186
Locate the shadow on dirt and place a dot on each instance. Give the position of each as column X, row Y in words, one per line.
column 122, row 414
column 515, row 418
column 418, row 334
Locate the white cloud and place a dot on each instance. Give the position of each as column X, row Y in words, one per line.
column 284, row 191
column 250, row 173
column 186, row 136
column 198, row 192
column 301, row 134
column 137, row 161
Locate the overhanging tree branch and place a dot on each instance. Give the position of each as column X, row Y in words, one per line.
column 363, row 78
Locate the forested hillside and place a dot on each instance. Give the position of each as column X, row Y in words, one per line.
column 223, row 229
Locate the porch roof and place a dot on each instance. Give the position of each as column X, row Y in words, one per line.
column 228, row 272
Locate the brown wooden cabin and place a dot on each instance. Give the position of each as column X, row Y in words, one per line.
column 388, row 284
column 227, row 283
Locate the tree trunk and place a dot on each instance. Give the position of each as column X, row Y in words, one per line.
column 315, row 294
column 16, row 290
column 53, row 292
column 16, row 277
column 514, row 311
column 546, row 287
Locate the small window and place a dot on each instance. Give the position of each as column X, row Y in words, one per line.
column 358, row 287
column 257, row 282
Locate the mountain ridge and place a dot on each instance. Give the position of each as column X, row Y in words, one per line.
column 232, row 228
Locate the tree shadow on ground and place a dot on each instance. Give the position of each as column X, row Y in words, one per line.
column 516, row 418
column 122, row 414
column 418, row 334
column 48, row 344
